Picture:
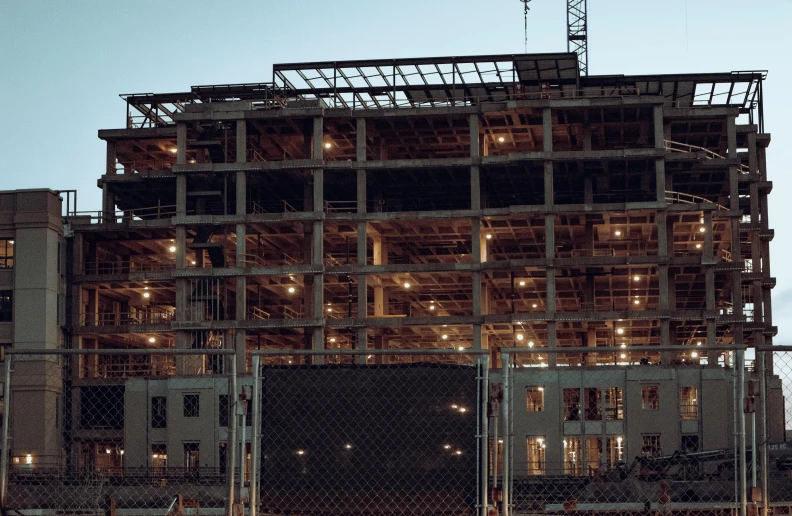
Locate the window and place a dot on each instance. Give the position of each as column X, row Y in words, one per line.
column 593, row 399
column 572, row 456
column 192, row 405
column 222, row 410
column 650, row 397
column 571, row 405
column 651, row 445
column 614, row 403
column 536, row 455
column 6, row 305
column 689, row 444
column 534, row 399
column 492, row 458
column 6, row 253
column 688, row 402
column 159, row 412
column 159, row 459
column 222, row 458
column 192, row 456
column 593, row 455
column 615, row 451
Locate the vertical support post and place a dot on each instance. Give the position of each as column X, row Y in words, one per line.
column 232, row 430
column 739, row 366
column 5, row 439
column 483, row 361
column 761, row 358
column 506, row 375
column 255, row 436
column 242, row 413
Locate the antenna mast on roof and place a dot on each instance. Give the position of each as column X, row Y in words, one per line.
column 577, row 32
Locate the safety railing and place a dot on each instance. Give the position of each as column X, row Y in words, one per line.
column 151, row 315
column 143, row 263
column 340, row 206
column 685, row 198
column 129, row 366
column 673, row 146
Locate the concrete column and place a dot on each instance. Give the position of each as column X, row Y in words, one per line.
column 181, row 143
column 708, row 234
column 317, row 236
column 110, row 166
column 660, row 180
column 552, row 343
column 241, row 147
column 657, row 119
column 380, row 257
column 475, row 138
column 550, row 305
column 661, row 218
column 241, row 193
column 731, row 135
column 547, row 130
column 362, row 238
column 181, row 195
column 549, row 194
column 549, row 237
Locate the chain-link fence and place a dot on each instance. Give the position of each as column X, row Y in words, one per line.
column 89, row 432
column 770, row 393
column 375, row 432
column 621, row 431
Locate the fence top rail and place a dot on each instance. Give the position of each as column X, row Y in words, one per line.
column 773, row 348
column 375, row 352
column 616, row 349
column 121, row 351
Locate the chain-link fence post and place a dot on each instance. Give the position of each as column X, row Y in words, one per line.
column 761, row 358
column 740, row 409
column 483, row 362
column 255, row 435
column 6, row 422
column 507, row 446
column 231, row 445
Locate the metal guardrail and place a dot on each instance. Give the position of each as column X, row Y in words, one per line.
column 673, row 146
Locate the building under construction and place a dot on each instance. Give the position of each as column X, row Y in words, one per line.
column 612, row 231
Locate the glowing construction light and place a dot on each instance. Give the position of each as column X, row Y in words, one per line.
column 145, row 288
column 192, row 161
column 624, row 346
column 461, row 348
column 406, row 285
column 620, row 331
column 444, row 337
column 152, row 340
column 174, row 150
column 462, row 409
column 332, row 339
column 28, row 459
column 300, row 452
column 698, row 246
column 534, row 305
column 489, row 236
column 541, row 389
column 636, row 302
column 154, row 456
column 454, row 406
column 623, row 355
column 446, row 446
column 694, row 354
column 522, row 283
column 520, row 336
column 193, row 262
column 348, row 446
column 702, row 229
column 458, row 452
column 107, row 451
column 146, row 295
column 172, row 249
column 431, row 307
column 501, row 139
column 636, row 278
column 530, row 344
column 291, row 290
column 698, row 343
column 618, row 233
column 328, row 145
column 329, row 309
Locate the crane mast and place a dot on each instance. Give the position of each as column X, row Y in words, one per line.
column 577, row 31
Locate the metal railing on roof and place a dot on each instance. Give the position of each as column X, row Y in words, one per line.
column 673, row 146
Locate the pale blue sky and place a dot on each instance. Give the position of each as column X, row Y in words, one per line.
column 63, row 64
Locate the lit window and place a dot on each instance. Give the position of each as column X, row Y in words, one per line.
column 536, row 455
column 192, row 405
column 593, row 454
column 534, row 399
column 650, row 397
column 159, row 459
column 688, row 402
column 614, row 403
column 192, row 456
column 593, row 399
column 492, row 458
column 615, row 451
column 6, row 253
column 573, row 456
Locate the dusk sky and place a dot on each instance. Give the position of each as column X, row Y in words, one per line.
column 63, row 65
